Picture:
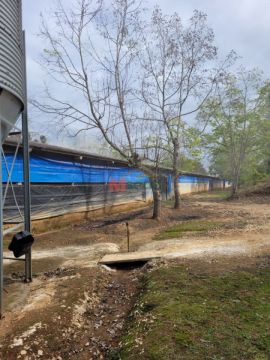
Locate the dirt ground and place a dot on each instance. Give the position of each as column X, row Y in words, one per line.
column 76, row 309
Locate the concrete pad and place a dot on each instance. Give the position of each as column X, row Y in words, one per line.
column 136, row 256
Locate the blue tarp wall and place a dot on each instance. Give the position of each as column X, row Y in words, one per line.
column 191, row 179
column 61, row 184
column 47, row 170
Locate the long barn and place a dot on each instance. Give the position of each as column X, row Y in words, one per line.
column 68, row 181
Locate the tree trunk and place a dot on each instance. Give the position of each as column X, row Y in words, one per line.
column 235, row 184
column 234, row 188
column 176, row 158
column 176, row 189
column 156, row 198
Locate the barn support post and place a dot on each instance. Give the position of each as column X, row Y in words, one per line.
column 26, row 172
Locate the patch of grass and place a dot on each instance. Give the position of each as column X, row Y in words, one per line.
column 219, row 194
column 195, row 317
column 196, row 226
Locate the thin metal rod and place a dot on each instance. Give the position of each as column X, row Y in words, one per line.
column 26, row 174
column 128, row 236
column 9, row 173
column 10, row 124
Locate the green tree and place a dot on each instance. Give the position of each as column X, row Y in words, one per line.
column 264, row 130
column 234, row 119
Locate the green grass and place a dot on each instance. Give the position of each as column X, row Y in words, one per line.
column 204, row 196
column 180, row 315
column 219, row 194
column 195, row 226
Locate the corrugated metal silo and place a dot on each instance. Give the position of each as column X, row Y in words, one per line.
column 11, row 64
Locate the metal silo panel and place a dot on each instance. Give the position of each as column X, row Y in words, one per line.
column 11, row 47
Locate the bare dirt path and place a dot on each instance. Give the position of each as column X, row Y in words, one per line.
column 252, row 240
column 76, row 309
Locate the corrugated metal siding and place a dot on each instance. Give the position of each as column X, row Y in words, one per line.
column 11, row 47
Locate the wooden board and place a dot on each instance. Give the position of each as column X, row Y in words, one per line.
column 129, row 257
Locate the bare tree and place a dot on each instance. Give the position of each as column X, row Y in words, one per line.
column 178, row 77
column 153, row 152
column 92, row 57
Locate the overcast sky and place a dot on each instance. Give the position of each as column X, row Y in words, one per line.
column 241, row 25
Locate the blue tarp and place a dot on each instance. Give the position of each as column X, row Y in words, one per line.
column 187, row 179
column 170, row 180
column 46, row 170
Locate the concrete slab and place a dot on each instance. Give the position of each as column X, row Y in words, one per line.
column 129, row 257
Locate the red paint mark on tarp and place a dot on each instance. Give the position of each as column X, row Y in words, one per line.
column 115, row 186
